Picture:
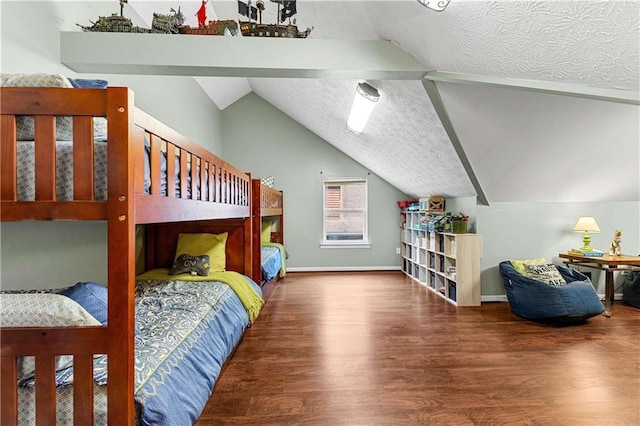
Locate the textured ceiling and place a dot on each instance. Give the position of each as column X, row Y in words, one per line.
column 403, row 141
column 590, row 43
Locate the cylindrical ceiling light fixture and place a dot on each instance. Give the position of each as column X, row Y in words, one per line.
column 363, row 103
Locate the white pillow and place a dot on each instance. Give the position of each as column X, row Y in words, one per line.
column 34, row 80
column 548, row 273
column 267, row 180
column 42, row 310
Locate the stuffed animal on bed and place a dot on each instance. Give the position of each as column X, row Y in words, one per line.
column 194, row 265
column 615, row 248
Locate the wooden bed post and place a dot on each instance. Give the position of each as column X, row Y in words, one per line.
column 281, row 219
column 121, row 257
column 256, row 231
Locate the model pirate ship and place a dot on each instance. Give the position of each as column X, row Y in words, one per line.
column 211, row 27
column 161, row 23
column 171, row 23
column 255, row 28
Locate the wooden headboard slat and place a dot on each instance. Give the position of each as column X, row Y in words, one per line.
column 83, row 152
column 46, row 390
column 45, row 158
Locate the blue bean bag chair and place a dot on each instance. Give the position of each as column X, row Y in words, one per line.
column 536, row 300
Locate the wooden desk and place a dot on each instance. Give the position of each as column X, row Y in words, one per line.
column 607, row 263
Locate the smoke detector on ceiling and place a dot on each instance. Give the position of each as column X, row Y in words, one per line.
column 437, row 5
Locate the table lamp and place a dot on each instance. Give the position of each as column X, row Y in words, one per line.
column 586, row 224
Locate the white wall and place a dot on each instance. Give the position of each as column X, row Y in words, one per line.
column 262, row 140
column 43, row 254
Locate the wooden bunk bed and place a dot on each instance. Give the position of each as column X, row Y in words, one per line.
column 218, row 201
column 266, row 207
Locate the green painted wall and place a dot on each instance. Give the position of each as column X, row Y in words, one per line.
column 528, row 230
column 46, row 254
column 262, row 140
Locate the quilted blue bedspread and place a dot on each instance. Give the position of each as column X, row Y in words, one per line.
column 187, row 329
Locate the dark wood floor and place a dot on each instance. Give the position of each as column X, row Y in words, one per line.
column 379, row 349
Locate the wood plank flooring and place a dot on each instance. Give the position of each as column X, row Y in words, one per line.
column 379, row 349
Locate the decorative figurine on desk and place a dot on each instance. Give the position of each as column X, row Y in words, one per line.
column 615, row 248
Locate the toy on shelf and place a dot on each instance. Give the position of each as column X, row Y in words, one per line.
column 435, row 204
column 286, row 9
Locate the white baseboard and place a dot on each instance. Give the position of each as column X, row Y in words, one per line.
column 486, row 298
column 494, row 298
column 503, row 297
column 342, row 268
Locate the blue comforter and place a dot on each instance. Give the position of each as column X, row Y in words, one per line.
column 271, row 262
column 190, row 328
column 187, row 329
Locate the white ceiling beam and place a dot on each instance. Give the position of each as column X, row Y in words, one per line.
column 165, row 54
column 434, row 95
column 551, row 87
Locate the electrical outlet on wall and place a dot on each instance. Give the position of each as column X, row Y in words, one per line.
column 397, row 250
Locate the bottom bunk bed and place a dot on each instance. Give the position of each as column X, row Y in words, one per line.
column 186, row 327
column 273, row 261
column 145, row 160
column 268, row 222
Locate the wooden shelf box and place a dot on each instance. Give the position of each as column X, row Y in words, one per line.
column 447, row 264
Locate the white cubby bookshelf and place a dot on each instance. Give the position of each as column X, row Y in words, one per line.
column 447, row 264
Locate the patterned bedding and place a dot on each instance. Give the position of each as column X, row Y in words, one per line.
column 186, row 332
column 64, row 407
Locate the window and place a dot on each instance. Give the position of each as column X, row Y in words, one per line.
column 345, row 212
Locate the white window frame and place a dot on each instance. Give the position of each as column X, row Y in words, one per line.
column 364, row 243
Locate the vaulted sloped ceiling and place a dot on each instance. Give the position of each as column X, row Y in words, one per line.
column 517, row 145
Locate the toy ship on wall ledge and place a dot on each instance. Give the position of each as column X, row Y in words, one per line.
column 171, row 23
column 161, row 23
column 286, row 9
column 211, row 27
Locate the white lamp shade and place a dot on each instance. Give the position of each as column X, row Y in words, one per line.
column 363, row 103
column 586, row 223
